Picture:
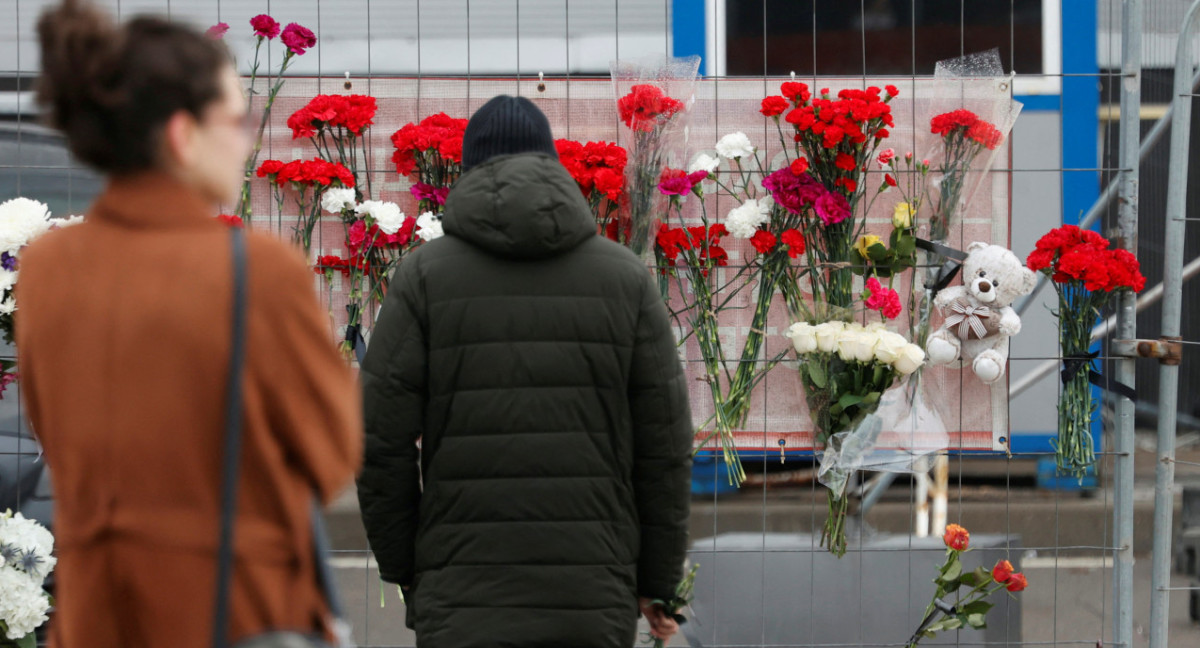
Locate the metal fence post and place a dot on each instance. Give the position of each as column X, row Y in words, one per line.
column 1125, row 371
column 1164, row 497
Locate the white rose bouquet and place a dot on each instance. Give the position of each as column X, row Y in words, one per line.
column 26, row 559
column 846, row 368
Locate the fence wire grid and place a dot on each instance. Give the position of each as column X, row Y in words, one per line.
column 764, row 581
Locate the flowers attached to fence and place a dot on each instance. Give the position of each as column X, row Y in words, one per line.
column 1086, row 274
column 950, row 609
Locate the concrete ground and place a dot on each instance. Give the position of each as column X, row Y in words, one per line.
column 1064, row 538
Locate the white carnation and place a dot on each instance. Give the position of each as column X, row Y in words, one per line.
column 67, row 222
column 337, row 199
column 23, row 603
column 21, row 221
column 387, row 215
column 8, row 279
column 734, row 146
column 8, row 306
column 704, row 162
column 429, row 226
column 745, row 220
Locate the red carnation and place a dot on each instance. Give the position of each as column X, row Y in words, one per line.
column 845, row 162
column 799, row 166
column 645, row 107
column 763, row 241
column 796, row 91
column 892, row 90
column 794, row 241
column 774, row 106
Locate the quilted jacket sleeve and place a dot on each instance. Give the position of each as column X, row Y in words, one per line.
column 394, row 396
column 662, row 434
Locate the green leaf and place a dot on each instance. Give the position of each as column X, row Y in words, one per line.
column 953, row 623
column 28, row 641
column 877, row 253
column 951, row 572
column 816, row 374
column 906, row 246
column 937, row 627
column 977, row 621
column 873, row 397
column 849, row 400
column 977, row 607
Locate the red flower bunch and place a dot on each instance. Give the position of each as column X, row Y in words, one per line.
column 298, row 38
column 331, row 263
column 597, row 167
column 703, row 242
column 437, row 136
column 964, row 123
column 646, row 107
column 1073, row 254
column 360, row 236
column 231, row 220
column 884, row 300
column 354, row 113
column 677, row 182
column 838, row 134
column 1003, row 573
column 306, row 173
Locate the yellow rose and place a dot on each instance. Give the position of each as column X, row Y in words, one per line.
column 902, row 216
column 865, row 242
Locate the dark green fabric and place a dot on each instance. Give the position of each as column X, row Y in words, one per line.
column 535, row 362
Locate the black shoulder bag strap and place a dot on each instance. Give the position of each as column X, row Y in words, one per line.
column 229, row 477
column 233, row 438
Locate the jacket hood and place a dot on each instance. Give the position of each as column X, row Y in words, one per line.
column 523, row 206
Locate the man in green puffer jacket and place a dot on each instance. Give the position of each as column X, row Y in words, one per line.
column 535, row 364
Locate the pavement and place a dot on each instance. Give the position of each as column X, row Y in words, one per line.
column 1064, row 539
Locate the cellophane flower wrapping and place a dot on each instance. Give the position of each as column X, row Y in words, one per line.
column 654, row 99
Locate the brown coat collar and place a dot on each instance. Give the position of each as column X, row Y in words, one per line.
column 152, row 199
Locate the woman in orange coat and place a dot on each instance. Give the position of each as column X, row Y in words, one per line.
column 124, row 340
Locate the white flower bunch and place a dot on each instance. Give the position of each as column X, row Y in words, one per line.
column 387, row 215
column 734, row 146
column 854, row 342
column 743, row 221
column 26, row 558
column 429, row 226
column 21, row 221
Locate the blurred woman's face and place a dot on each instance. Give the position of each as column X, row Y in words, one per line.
column 220, row 143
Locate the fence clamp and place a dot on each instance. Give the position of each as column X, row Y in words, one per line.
column 1168, row 350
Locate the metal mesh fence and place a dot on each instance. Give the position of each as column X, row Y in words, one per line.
column 764, row 581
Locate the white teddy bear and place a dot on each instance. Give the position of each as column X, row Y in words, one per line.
column 979, row 314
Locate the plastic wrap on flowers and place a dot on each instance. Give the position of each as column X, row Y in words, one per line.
column 966, row 129
column 654, row 99
column 913, row 428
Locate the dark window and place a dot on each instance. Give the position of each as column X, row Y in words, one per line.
column 901, row 36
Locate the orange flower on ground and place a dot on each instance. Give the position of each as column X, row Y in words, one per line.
column 957, row 538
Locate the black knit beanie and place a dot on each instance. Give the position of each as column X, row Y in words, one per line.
column 503, row 126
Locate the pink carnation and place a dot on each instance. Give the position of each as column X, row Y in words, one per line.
column 833, row 208
column 298, row 38
column 217, row 31
column 884, row 300
column 265, row 26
